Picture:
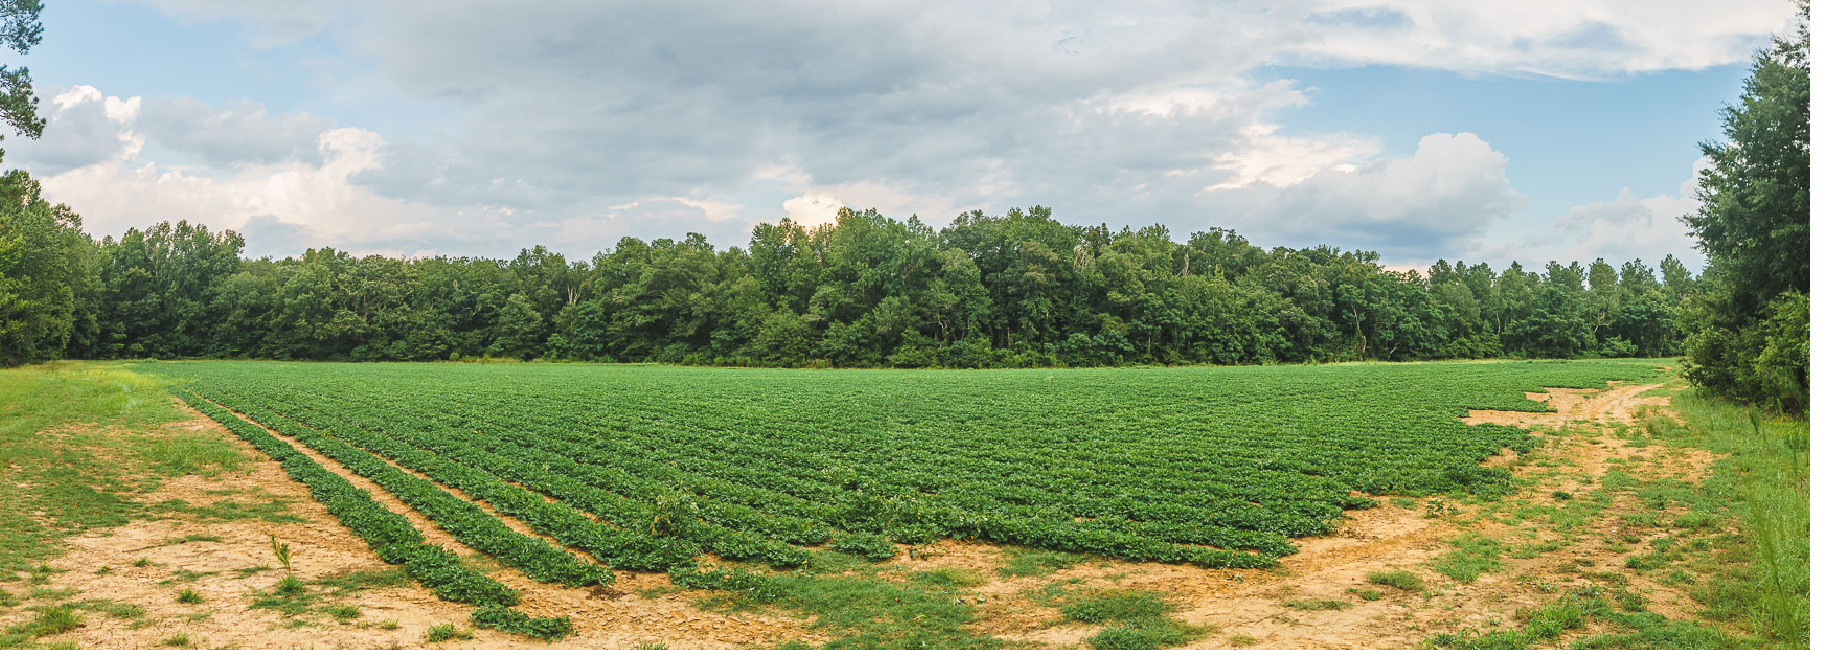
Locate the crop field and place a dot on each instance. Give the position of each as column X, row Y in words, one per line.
column 653, row 467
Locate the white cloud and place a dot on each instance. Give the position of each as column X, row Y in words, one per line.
column 703, row 115
column 1618, row 230
column 1281, row 161
column 812, row 209
column 1563, row 38
column 1453, row 188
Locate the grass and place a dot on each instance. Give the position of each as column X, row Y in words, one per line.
column 446, row 632
column 179, row 640
column 61, row 453
column 867, row 612
column 1022, row 562
column 1145, row 634
column 1617, row 629
column 1473, row 556
column 190, row 597
column 1761, row 582
column 949, row 578
column 1116, row 605
column 293, row 596
column 1316, row 605
column 1134, row 619
column 192, row 538
column 48, row 621
column 1400, row 580
column 113, row 609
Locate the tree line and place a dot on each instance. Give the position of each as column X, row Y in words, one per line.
column 1018, row 289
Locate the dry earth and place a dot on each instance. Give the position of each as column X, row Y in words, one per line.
column 1582, row 443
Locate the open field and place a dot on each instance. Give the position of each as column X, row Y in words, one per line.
column 1213, row 467
column 1334, row 506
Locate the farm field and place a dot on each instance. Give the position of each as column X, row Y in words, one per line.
column 1215, row 467
column 615, row 506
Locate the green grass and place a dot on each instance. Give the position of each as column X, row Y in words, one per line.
column 1115, row 605
column 1024, row 562
column 1145, row 634
column 1317, row 605
column 272, row 510
column 190, row 597
column 949, row 578
column 48, row 621
column 112, row 609
column 1757, row 574
column 446, row 632
column 1401, row 580
column 1611, row 626
column 1473, row 556
column 71, row 448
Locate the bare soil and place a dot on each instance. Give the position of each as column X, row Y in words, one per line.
column 1577, row 450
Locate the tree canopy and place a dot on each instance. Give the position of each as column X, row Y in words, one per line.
column 1017, row 289
column 1751, row 319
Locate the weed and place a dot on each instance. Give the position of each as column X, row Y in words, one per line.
column 446, row 632
column 1023, row 562
column 51, row 620
column 1115, row 605
column 1316, row 604
column 190, row 597
column 1402, row 580
column 949, row 578
column 1472, row 556
column 113, row 609
column 289, row 586
column 281, row 552
column 179, row 640
column 344, row 612
column 1145, row 634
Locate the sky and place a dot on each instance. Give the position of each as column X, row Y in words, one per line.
column 1422, row 129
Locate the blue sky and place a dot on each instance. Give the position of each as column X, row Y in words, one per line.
column 1417, row 128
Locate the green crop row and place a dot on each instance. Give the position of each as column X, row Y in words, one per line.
column 1217, row 467
column 466, row 521
column 390, row 535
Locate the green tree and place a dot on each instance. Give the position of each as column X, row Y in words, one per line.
column 47, row 269
column 1754, row 224
column 20, row 29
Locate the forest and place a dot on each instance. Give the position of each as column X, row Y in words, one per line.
column 1014, row 290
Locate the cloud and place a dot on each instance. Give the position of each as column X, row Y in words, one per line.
column 1453, row 188
column 239, row 133
column 1618, row 230
column 711, row 116
column 1579, row 39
